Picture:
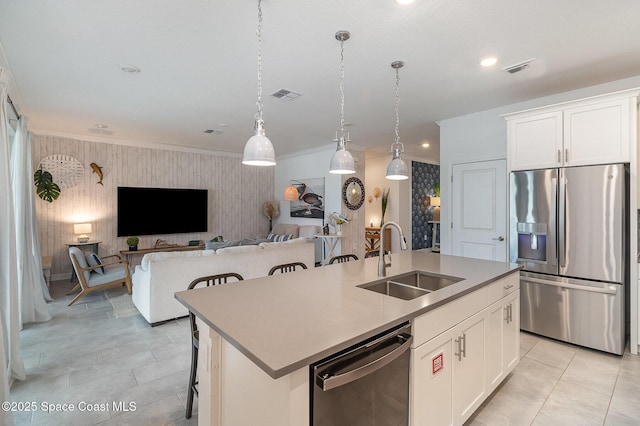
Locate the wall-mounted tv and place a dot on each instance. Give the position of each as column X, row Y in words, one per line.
column 156, row 211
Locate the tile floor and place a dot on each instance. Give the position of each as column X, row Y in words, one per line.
column 562, row 384
column 85, row 354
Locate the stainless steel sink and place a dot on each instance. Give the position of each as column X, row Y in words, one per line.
column 411, row 285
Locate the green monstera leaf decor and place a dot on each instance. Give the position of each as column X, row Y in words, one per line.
column 46, row 188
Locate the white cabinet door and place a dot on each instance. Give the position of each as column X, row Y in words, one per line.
column 511, row 333
column 503, row 339
column 597, row 133
column 496, row 315
column 535, row 142
column 431, row 381
column 469, row 384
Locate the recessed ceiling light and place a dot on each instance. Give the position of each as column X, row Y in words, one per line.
column 404, row 1
column 130, row 68
column 489, row 62
column 425, row 145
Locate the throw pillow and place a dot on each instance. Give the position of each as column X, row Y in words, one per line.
column 94, row 260
column 276, row 238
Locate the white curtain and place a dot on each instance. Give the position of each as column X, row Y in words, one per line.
column 12, row 366
column 31, row 284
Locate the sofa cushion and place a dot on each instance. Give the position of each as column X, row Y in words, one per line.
column 162, row 255
column 285, row 229
column 238, row 249
column 94, row 260
column 279, row 237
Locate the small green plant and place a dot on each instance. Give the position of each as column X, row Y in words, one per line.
column 133, row 241
column 436, row 189
column 385, row 200
column 46, row 188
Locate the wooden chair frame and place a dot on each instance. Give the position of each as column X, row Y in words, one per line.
column 195, row 334
column 343, row 258
column 83, row 286
column 287, row 267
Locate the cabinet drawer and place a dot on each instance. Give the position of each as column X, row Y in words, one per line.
column 503, row 287
column 433, row 323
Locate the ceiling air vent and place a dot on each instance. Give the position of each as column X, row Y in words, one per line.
column 519, row 66
column 285, row 95
column 215, row 132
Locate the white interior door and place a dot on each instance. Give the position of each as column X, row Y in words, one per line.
column 479, row 210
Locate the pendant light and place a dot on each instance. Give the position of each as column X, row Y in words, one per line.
column 258, row 150
column 291, row 193
column 397, row 169
column 342, row 161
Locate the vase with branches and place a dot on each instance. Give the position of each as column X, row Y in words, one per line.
column 271, row 210
column 385, row 200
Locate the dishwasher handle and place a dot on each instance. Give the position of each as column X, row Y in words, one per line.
column 328, row 381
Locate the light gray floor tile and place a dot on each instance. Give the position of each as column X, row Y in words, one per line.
column 594, row 370
column 160, row 412
column 570, row 404
column 530, row 381
column 552, row 353
column 110, row 367
column 153, row 371
column 527, row 341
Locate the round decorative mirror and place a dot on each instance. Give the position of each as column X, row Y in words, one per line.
column 353, row 193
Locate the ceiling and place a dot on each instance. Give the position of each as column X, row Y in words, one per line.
column 198, row 62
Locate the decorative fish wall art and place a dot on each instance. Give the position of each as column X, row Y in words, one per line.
column 97, row 170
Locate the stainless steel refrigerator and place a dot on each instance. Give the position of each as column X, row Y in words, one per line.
column 570, row 229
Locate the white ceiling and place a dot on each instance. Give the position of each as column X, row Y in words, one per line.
column 199, row 64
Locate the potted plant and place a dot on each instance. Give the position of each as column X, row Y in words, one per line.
column 132, row 242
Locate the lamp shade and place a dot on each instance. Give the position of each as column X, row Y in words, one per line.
column 82, row 229
column 434, row 201
column 258, row 151
column 290, row 193
column 397, row 170
column 342, row 162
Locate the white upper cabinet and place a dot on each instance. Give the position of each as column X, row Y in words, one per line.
column 534, row 141
column 597, row 133
column 597, row 130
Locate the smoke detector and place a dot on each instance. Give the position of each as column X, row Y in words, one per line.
column 512, row 69
column 285, row 95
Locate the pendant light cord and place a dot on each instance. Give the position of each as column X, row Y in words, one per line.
column 397, row 106
column 259, row 33
column 342, row 88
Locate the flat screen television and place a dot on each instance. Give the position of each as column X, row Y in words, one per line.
column 156, row 211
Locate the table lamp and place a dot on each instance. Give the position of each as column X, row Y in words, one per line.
column 435, row 203
column 82, row 229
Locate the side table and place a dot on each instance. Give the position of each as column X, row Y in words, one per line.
column 88, row 247
column 330, row 241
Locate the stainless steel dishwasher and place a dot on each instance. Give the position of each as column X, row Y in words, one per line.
column 367, row 384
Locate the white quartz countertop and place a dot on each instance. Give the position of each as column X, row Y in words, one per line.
column 287, row 321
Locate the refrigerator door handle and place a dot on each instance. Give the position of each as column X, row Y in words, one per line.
column 604, row 290
column 562, row 229
column 553, row 254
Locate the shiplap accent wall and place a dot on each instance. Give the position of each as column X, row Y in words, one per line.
column 236, row 194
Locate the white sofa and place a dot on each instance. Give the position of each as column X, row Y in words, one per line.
column 162, row 274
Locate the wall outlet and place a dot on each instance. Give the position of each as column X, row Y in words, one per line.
column 425, row 238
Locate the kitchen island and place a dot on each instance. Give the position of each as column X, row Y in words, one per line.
column 258, row 337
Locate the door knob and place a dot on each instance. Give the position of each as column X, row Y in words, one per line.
column 500, row 238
